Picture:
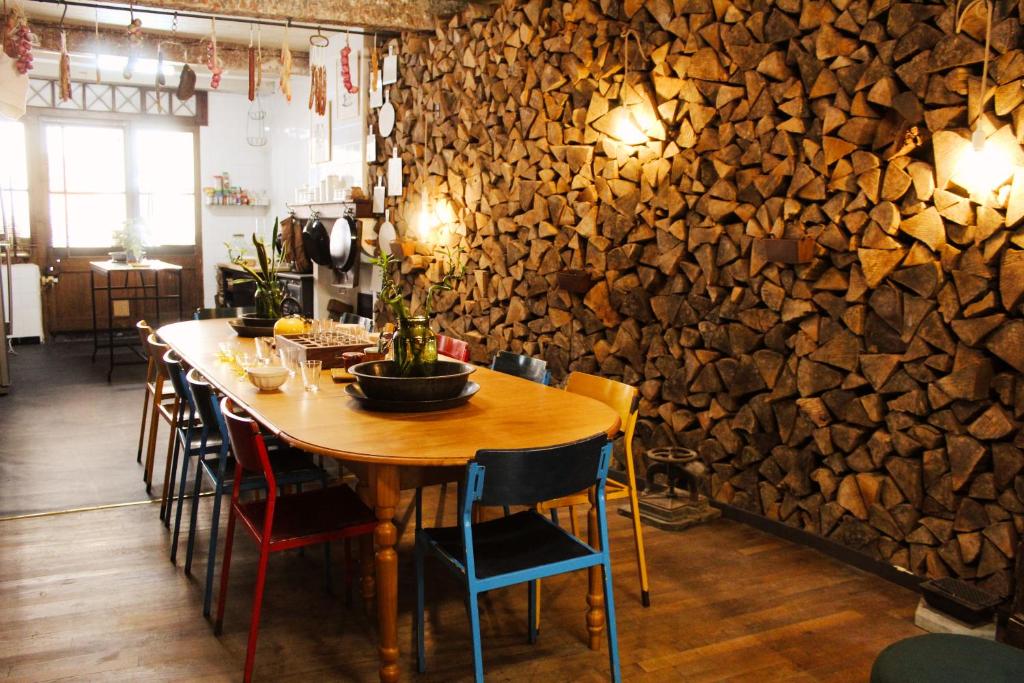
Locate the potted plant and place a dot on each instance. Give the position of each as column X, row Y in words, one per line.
column 269, row 290
column 415, row 344
column 131, row 241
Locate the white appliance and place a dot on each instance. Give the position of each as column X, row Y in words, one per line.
column 26, row 312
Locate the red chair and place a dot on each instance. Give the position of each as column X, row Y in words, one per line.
column 453, row 348
column 280, row 523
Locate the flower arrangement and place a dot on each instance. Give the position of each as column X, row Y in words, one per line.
column 269, row 291
column 452, row 269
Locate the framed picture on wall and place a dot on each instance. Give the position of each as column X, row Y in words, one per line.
column 320, row 136
column 347, row 106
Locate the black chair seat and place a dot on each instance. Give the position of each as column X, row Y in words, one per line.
column 508, row 544
column 290, row 465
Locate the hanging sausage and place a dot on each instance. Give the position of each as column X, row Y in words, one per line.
column 134, row 43
column 212, row 60
column 346, row 68
column 65, row 68
column 286, row 66
column 18, row 40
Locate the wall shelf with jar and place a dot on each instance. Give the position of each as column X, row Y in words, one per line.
column 223, row 193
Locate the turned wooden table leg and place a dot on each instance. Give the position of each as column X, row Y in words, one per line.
column 385, row 484
column 368, row 585
column 595, row 592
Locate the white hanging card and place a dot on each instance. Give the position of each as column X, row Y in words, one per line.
column 378, row 195
column 389, row 74
column 377, row 94
column 395, row 175
column 371, row 146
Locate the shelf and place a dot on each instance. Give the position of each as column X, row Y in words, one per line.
column 331, row 210
column 237, row 206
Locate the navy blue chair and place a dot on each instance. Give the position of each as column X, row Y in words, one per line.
column 533, row 369
column 523, row 547
column 291, row 467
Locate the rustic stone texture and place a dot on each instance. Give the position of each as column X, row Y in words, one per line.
column 872, row 394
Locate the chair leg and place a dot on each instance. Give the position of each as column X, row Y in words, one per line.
column 145, row 414
column 193, row 517
column 185, row 460
column 349, row 572
column 532, row 611
column 169, row 469
column 609, row 614
column 573, row 522
column 154, row 426
column 211, row 558
column 638, row 533
column 536, row 610
column 328, row 584
column 421, row 656
column 218, row 624
column 254, row 621
column 474, row 625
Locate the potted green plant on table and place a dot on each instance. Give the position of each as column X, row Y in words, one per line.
column 270, row 294
column 131, row 241
column 415, row 344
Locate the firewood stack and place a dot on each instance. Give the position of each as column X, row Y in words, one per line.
column 872, row 395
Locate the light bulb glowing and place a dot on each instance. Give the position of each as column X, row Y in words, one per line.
column 625, row 128
column 983, row 166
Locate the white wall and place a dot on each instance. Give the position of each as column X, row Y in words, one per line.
column 222, row 147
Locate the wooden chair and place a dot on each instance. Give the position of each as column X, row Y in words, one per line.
column 533, row 369
column 163, row 405
column 279, row 523
column 625, row 400
column 524, row 547
column 291, row 467
column 144, row 331
column 453, row 348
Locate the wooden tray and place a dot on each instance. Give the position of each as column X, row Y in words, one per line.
column 311, row 349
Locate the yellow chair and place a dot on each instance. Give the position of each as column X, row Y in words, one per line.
column 624, row 400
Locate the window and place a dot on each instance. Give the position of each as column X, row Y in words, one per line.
column 166, row 171
column 13, row 180
column 102, row 174
column 88, row 197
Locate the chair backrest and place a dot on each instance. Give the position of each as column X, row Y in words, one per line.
column 453, row 348
column 247, row 443
column 348, row 318
column 144, row 331
column 176, row 373
column 620, row 397
column 528, row 476
column 206, row 402
column 156, row 350
column 533, row 369
column 212, row 313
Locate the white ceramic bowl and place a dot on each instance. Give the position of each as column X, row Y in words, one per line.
column 267, row 377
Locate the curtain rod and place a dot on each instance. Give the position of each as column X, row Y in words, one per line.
column 330, row 26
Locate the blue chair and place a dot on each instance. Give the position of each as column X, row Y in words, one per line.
column 523, row 547
column 291, row 467
column 533, row 369
column 227, row 312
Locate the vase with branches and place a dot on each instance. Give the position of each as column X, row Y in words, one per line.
column 270, row 294
column 415, row 344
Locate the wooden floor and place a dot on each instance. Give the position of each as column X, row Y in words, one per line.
column 91, row 595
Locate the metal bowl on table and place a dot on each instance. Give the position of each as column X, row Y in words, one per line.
column 379, row 379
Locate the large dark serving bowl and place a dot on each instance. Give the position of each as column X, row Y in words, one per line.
column 379, row 380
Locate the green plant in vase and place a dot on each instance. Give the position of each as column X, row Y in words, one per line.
column 269, row 290
column 415, row 344
column 131, row 240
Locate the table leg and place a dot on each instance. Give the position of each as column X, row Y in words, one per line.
column 110, row 325
column 181, row 299
column 595, row 592
column 369, row 584
column 95, row 322
column 385, row 483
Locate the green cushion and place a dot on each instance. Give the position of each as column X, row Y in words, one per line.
column 946, row 658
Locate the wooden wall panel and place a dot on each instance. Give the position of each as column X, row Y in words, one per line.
column 872, row 394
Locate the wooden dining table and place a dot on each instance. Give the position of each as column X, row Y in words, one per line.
column 400, row 450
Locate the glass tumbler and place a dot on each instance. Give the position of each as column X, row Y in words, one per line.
column 311, row 374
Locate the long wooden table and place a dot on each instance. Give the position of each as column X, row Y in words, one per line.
column 508, row 412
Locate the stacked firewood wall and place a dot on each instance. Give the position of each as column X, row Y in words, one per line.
column 872, row 395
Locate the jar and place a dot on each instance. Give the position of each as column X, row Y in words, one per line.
column 415, row 347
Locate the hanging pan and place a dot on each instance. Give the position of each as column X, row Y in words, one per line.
column 316, row 242
column 344, row 244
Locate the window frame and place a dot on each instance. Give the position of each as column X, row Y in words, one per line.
column 39, row 192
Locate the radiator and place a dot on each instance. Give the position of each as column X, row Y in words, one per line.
column 26, row 318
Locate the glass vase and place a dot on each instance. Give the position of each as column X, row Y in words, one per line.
column 415, row 347
column 268, row 302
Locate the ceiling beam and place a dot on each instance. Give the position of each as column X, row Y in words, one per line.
column 383, row 15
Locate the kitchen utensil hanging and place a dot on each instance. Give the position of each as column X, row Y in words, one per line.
column 378, row 195
column 395, row 175
column 371, row 145
column 256, row 123
column 386, row 234
column 368, row 237
column 344, row 243
column 389, row 72
column 386, row 118
column 316, row 241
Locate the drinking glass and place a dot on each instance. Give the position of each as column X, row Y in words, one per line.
column 265, row 350
column 227, row 350
column 244, row 360
column 311, row 374
column 289, row 359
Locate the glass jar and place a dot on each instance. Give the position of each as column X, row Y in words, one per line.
column 415, row 347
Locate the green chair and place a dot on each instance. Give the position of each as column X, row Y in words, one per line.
column 947, row 658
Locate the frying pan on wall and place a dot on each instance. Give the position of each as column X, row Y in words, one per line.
column 316, row 242
column 344, row 243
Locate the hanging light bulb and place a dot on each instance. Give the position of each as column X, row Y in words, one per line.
column 634, row 121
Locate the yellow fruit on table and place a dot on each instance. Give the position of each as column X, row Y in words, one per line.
column 293, row 324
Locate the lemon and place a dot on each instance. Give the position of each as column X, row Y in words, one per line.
column 293, row 324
